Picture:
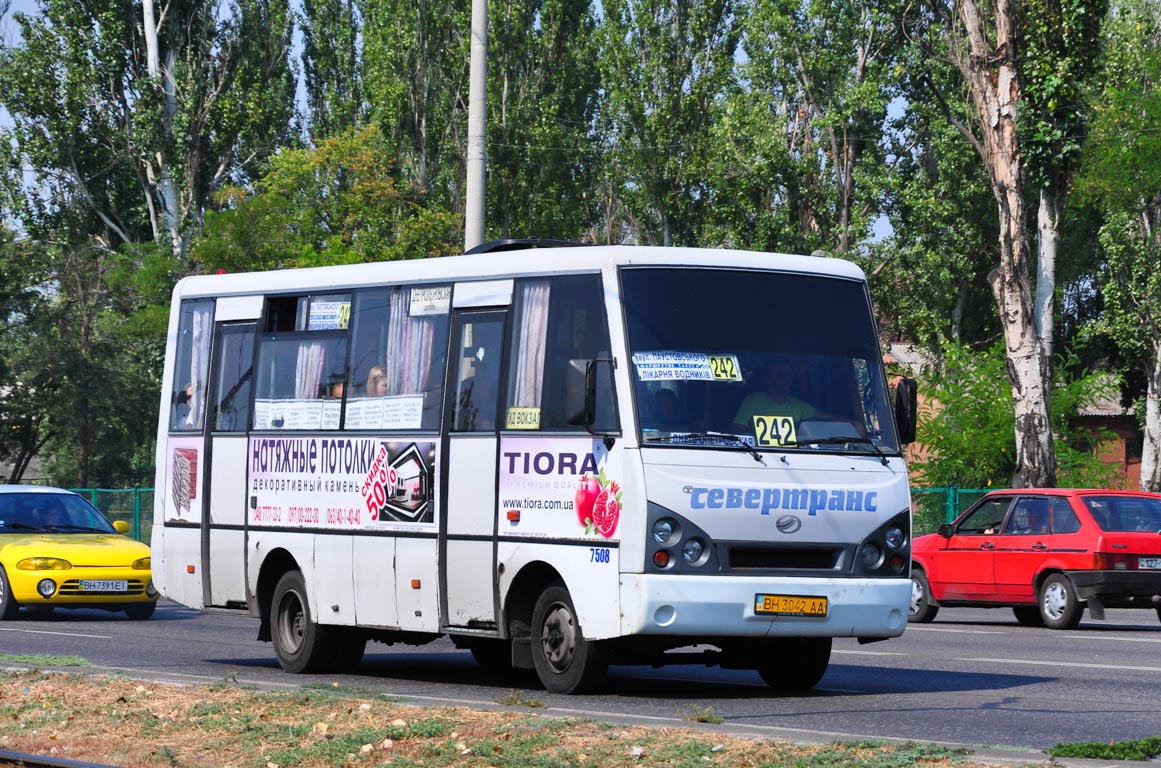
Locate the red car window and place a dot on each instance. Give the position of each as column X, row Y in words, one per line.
column 1064, row 520
column 986, row 517
column 1123, row 514
column 1028, row 518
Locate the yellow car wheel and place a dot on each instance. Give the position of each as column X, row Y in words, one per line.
column 8, row 604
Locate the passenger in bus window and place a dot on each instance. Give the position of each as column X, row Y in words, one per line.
column 183, row 413
column 377, row 384
column 336, row 391
column 775, row 399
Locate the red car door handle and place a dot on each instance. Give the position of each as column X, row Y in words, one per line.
column 987, row 545
column 1039, row 545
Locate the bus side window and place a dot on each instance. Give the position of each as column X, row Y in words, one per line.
column 191, row 365
column 233, row 376
column 556, row 320
column 398, row 358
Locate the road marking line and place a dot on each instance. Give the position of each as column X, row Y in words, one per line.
column 1064, row 664
column 1103, row 636
column 62, row 634
column 871, row 653
column 959, row 631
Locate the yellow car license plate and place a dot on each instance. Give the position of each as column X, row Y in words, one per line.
column 790, row 605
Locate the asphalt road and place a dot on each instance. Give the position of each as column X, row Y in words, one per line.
column 971, row 677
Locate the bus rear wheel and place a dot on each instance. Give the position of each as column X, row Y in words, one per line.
column 564, row 660
column 299, row 643
column 795, row 663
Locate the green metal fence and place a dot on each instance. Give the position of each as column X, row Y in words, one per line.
column 133, row 505
column 933, row 506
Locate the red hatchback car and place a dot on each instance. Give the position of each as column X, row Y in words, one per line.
column 1046, row 553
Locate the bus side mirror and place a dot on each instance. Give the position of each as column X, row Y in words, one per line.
column 906, row 408
column 580, row 393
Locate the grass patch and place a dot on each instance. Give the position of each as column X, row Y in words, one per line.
column 46, row 660
column 116, row 721
column 1135, row 749
column 516, row 699
column 703, row 715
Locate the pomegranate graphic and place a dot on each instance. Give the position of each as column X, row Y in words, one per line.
column 607, row 510
column 585, row 497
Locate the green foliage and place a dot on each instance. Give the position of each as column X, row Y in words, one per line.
column 543, row 92
column 796, row 156
column 1134, row 749
column 967, row 426
column 45, row 660
column 1060, row 57
column 331, row 66
column 415, row 77
column 665, row 65
column 342, row 202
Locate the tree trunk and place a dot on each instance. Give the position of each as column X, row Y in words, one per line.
column 1048, row 225
column 993, row 79
column 1151, row 452
column 166, row 187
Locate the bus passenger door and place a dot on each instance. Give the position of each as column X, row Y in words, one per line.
column 469, row 471
column 224, row 521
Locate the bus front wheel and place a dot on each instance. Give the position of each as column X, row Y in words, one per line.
column 300, row 644
column 795, row 663
column 564, row 660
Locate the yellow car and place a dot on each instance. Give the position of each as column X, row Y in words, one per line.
column 58, row 551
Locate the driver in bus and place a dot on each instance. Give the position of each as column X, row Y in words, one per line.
column 775, row 399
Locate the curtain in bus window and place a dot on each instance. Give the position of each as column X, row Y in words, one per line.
column 308, row 372
column 202, row 328
column 532, row 344
column 409, row 347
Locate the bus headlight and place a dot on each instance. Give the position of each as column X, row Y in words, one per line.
column 693, row 551
column 895, row 538
column 870, row 555
column 664, row 529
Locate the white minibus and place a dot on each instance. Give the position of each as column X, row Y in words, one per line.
column 560, row 457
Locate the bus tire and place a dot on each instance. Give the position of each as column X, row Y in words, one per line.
column 348, row 646
column 8, row 605
column 795, row 663
column 564, row 660
column 1028, row 615
column 300, row 644
column 1059, row 605
column 921, row 610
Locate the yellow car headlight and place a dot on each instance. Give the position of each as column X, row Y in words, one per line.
column 143, row 564
column 43, row 564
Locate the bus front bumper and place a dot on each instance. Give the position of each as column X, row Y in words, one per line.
column 717, row 606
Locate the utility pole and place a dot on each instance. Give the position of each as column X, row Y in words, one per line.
column 477, row 127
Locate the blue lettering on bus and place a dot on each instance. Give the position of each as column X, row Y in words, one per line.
column 812, row 500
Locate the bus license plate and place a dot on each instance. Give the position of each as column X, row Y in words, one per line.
column 104, row 585
column 790, row 605
column 1149, row 562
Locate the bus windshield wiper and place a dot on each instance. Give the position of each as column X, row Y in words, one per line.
column 839, row 441
column 734, row 440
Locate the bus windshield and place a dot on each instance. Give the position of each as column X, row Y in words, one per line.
column 771, row 360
